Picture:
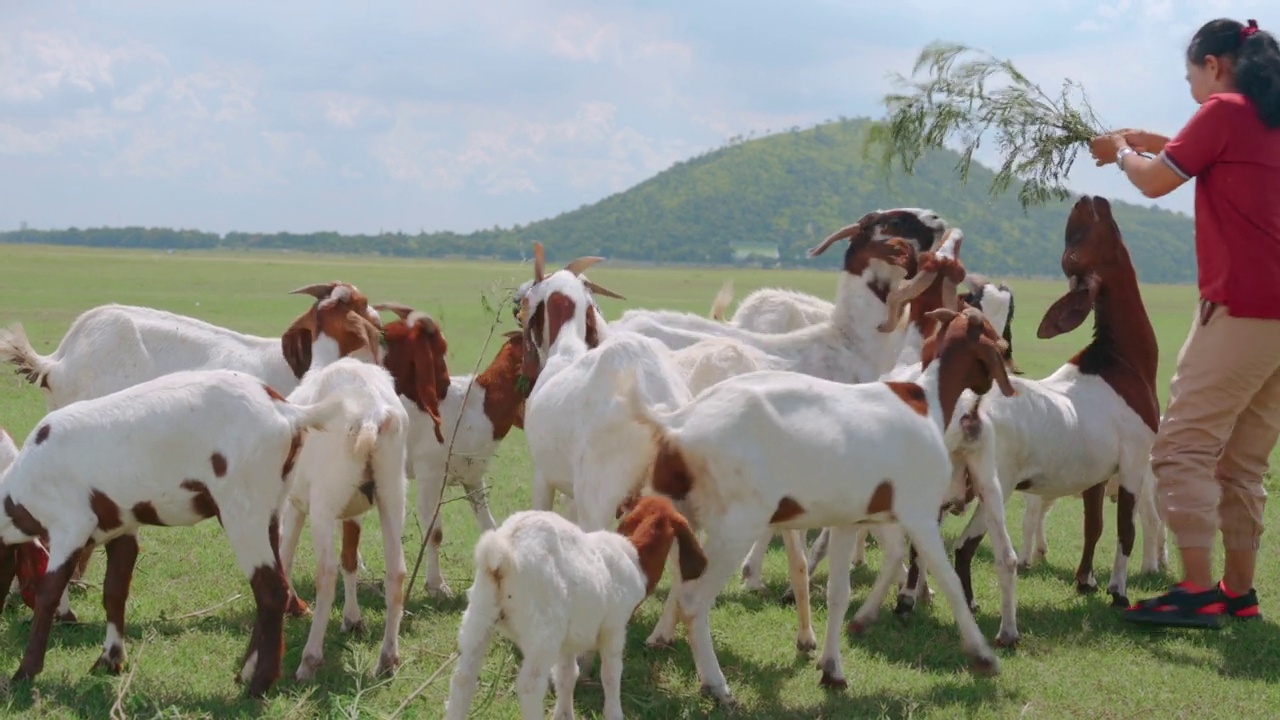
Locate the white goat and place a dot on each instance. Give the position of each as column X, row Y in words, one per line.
column 175, row 450
column 771, row 309
column 8, row 449
column 344, row 470
column 1096, row 416
column 867, row 453
column 112, row 347
column 559, row 592
column 466, row 436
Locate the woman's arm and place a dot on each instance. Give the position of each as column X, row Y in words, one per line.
column 1152, row 176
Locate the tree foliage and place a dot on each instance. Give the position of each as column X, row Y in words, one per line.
column 786, row 190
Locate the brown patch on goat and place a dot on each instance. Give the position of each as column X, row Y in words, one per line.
column 295, row 445
column 911, row 394
column 219, row 464
column 881, row 499
column 651, row 526
column 42, row 434
column 970, row 352
column 1124, row 351
column 350, row 546
column 592, row 336
column 271, row 591
column 937, row 294
column 415, row 358
column 671, row 475
column 145, row 513
column 347, row 320
column 788, row 508
column 202, row 501
column 271, row 393
column 122, row 553
column 896, row 223
column 503, row 402
column 106, row 510
column 560, row 311
column 22, row 519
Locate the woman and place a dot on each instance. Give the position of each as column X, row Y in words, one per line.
column 1223, row 417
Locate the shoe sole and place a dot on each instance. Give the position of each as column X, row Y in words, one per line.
column 1206, row 622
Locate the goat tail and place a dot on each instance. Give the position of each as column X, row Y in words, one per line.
column 493, row 564
column 364, row 438
column 16, row 350
column 721, row 302
column 312, row 417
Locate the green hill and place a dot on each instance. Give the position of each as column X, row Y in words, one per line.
column 739, row 202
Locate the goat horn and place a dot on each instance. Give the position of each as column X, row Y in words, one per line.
column 402, row 310
column 539, row 262
column 319, row 291
column 905, row 292
column 577, row 265
column 596, row 289
column 845, row 232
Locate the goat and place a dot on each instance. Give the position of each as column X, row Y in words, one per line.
column 1094, row 417
column 771, row 309
column 466, row 436
column 174, row 450
column 726, row 454
column 831, row 349
column 344, row 470
column 557, row 592
column 20, row 567
column 144, row 343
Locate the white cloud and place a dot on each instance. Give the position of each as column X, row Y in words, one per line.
column 239, row 115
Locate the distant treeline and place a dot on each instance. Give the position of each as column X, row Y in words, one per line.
column 786, row 190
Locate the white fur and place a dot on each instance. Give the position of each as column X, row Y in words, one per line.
column 141, row 444
column 557, row 592
column 753, row 439
column 365, row 444
column 772, row 309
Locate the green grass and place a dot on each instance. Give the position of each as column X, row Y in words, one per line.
column 1076, row 659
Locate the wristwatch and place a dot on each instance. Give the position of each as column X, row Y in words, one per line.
column 1120, row 156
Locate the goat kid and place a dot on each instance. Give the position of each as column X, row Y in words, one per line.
column 175, row 450
column 726, row 452
column 558, row 592
column 344, row 470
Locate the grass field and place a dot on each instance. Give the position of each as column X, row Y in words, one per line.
column 1076, row 658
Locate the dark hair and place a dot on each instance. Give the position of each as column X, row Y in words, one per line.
column 1256, row 59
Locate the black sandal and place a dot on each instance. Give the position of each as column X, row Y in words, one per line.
column 1181, row 608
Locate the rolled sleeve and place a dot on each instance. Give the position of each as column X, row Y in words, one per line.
column 1201, row 141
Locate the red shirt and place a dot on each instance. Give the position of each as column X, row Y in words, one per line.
column 1235, row 160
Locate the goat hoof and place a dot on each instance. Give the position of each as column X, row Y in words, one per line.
column 110, row 662
column 442, row 592
column 856, row 627
column 807, row 645
column 296, row 607
column 1007, row 640
column 1086, row 588
column 353, row 626
column 660, row 643
column 66, row 617
column 23, row 675
column 721, row 694
column 788, row 597
column 387, row 664
column 904, row 607
column 1118, row 600
column 308, row 667
column 831, row 677
column 985, row 666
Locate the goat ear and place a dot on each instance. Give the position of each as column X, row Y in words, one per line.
column 295, row 343
column 424, row 375
column 693, row 562
column 989, row 354
column 371, row 334
column 1066, row 314
column 532, row 363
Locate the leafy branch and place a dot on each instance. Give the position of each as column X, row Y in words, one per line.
column 1038, row 136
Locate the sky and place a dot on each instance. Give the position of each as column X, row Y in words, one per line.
column 362, row 117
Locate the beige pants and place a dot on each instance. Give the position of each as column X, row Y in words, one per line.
column 1218, row 431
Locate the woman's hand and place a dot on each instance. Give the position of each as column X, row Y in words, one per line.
column 1144, row 142
column 1103, row 148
